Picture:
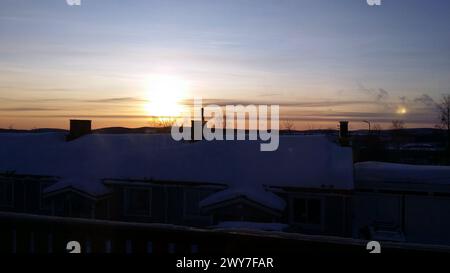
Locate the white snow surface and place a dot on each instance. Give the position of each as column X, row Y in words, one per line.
column 300, row 161
column 404, row 173
column 250, row 226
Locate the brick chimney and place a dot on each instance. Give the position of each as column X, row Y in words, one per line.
column 343, row 133
column 78, row 128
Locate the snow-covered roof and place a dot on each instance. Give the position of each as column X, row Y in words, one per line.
column 300, row 161
column 401, row 173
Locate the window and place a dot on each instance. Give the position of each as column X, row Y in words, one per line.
column 307, row 211
column 138, row 201
column 192, row 198
column 6, row 193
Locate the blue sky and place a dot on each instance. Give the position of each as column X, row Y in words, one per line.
column 320, row 60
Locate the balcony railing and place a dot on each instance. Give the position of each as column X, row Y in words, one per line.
column 25, row 233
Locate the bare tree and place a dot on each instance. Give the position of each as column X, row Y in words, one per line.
column 444, row 112
column 310, row 127
column 444, row 115
column 397, row 132
column 376, row 128
column 162, row 122
column 288, row 125
column 398, row 124
column 166, row 122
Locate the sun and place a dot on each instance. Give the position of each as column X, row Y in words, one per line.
column 164, row 96
column 401, row 110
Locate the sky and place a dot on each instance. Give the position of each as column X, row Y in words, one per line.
column 321, row 60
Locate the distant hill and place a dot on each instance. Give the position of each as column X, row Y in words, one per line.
column 107, row 130
column 158, row 130
column 38, row 130
column 49, row 130
column 124, row 130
